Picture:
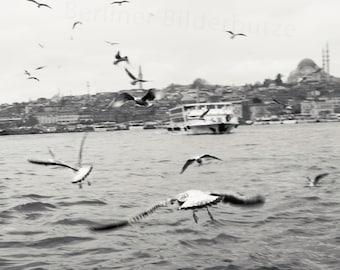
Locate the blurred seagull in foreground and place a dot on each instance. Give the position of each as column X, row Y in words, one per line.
column 151, row 94
column 120, row 2
column 233, row 35
column 198, row 160
column 134, row 78
column 314, row 182
column 120, row 59
column 81, row 172
column 76, row 23
column 189, row 200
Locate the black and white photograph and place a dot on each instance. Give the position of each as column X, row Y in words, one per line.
column 170, row 135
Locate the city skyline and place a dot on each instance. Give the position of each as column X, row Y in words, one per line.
column 174, row 42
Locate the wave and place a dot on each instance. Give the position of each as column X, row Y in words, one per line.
column 52, row 242
column 83, row 202
column 34, row 207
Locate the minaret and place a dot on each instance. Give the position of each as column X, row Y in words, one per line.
column 88, row 89
column 140, row 77
column 323, row 60
column 327, row 59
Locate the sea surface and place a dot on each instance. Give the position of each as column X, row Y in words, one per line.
column 45, row 219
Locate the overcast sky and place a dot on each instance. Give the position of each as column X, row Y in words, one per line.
column 175, row 41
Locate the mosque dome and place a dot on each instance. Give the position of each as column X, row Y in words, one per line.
column 307, row 63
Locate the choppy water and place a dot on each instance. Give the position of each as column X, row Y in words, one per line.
column 44, row 219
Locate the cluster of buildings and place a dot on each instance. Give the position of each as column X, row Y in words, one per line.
column 309, row 92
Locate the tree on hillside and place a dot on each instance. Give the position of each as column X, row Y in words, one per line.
column 199, row 83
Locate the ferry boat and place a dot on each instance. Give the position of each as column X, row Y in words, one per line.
column 203, row 118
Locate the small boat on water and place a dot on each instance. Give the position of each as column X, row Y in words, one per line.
column 203, row 118
column 109, row 126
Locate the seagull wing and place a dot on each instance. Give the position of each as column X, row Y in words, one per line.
column 51, row 163
column 150, row 95
column 241, row 34
column 319, row 177
column 51, row 153
column 204, row 114
column 43, row 5
column 236, row 200
column 187, row 164
column 33, row 78
column 81, row 149
column 76, row 23
column 33, row 1
column 230, row 32
column 40, row 67
column 276, row 101
column 123, row 223
column 120, row 100
column 209, row 156
column 130, row 74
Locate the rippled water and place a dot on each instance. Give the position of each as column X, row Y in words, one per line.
column 44, row 219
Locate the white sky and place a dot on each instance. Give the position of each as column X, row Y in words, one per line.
column 175, row 41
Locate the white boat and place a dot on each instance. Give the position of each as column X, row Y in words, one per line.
column 203, row 118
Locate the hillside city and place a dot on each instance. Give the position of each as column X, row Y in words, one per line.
column 309, row 92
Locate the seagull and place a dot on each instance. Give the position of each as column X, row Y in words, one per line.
column 198, row 160
column 40, row 67
column 315, row 181
column 119, row 2
column 189, row 200
column 43, row 5
column 150, row 95
column 111, row 43
column 41, row 46
column 204, row 114
column 33, row 78
column 76, row 23
column 27, row 73
column 134, row 78
column 81, row 172
column 278, row 102
column 120, row 59
column 234, row 35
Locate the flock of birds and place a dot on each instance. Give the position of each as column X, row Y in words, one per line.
column 188, row 200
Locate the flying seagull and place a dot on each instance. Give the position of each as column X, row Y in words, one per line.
column 189, row 200
column 198, row 160
column 33, row 78
column 81, row 172
column 233, row 35
column 41, row 46
column 315, row 181
column 150, row 95
column 76, row 23
column 39, row 4
column 120, row 59
column 278, row 102
column 134, row 78
column 120, row 2
column 111, row 43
